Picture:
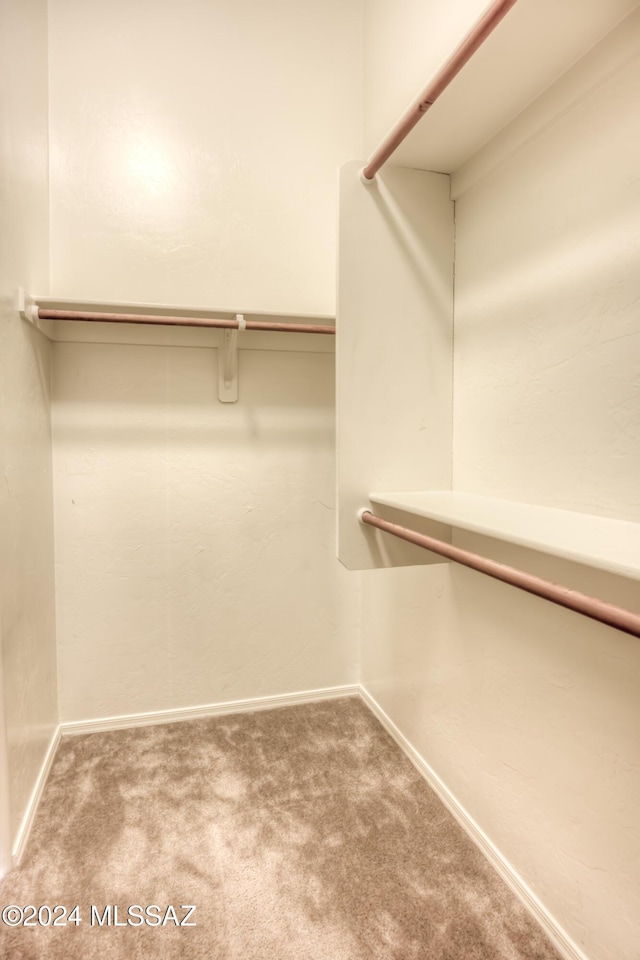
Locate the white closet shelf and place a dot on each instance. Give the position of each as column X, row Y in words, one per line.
column 79, row 331
column 544, row 39
column 611, row 545
column 120, row 306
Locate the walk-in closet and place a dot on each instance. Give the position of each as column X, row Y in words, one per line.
column 319, row 479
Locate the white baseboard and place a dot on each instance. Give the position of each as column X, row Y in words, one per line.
column 75, row 727
column 563, row 943
column 32, row 806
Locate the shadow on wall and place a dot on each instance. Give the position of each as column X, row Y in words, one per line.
column 152, row 394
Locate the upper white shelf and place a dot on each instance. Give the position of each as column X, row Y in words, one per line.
column 132, row 306
column 531, row 48
column 612, row 545
column 81, row 331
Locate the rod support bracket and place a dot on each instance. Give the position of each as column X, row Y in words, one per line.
column 27, row 307
column 228, row 362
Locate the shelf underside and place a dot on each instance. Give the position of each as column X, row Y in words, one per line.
column 535, row 44
column 612, row 545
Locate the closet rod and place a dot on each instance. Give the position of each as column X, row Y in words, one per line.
column 233, row 324
column 613, row 616
column 440, row 82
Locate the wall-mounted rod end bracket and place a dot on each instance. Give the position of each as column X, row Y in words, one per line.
column 361, row 512
column 368, row 181
column 27, row 307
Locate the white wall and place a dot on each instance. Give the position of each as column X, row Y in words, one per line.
column 27, row 621
column 194, row 541
column 547, row 332
column 195, row 554
column 547, row 410
column 529, row 713
column 197, row 160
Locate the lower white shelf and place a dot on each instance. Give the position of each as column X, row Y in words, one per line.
column 612, row 545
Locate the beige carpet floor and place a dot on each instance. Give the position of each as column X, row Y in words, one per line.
column 297, row 833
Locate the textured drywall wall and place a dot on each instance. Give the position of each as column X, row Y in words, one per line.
column 203, row 170
column 529, row 713
column 547, row 336
column 547, row 410
column 195, row 544
column 27, row 621
column 195, row 553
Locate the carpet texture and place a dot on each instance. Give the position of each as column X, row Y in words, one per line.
column 297, row 833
